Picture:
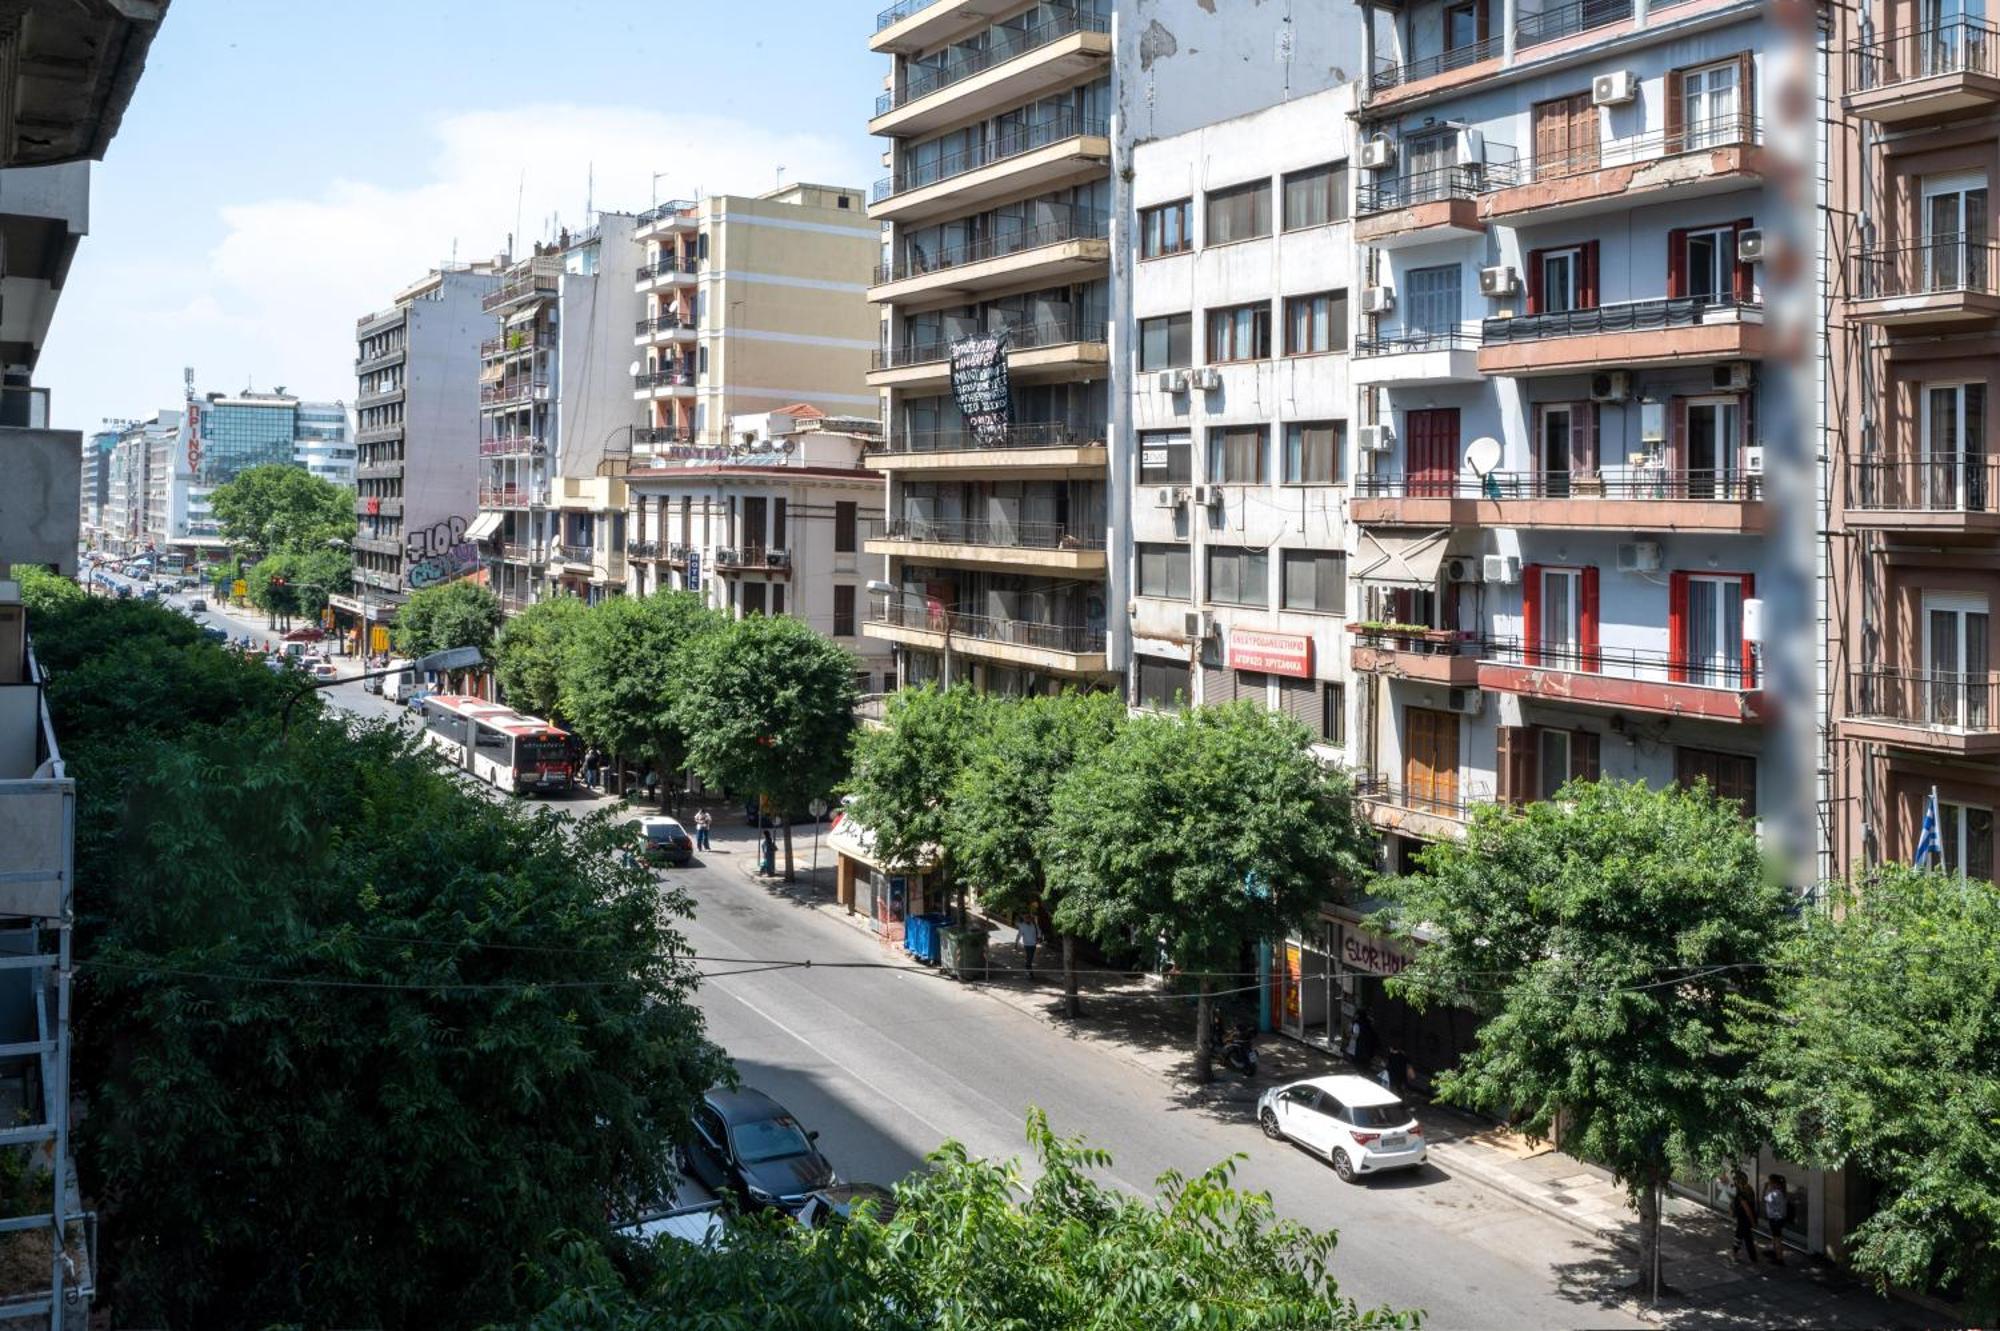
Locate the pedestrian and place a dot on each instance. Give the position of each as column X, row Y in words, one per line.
column 1396, row 1069
column 590, row 761
column 1777, row 1211
column 768, row 852
column 702, row 820
column 1029, row 935
column 1362, row 1041
column 1743, row 1210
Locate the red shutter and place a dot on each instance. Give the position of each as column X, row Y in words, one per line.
column 1744, row 284
column 1515, row 764
column 1677, row 262
column 1531, row 615
column 1746, row 84
column 1534, row 281
column 1677, row 614
column 1677, row 414
column 1749, row 652
column 1588, row 295
column 1586, row 620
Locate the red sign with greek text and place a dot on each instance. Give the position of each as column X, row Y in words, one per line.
column 1271, row 653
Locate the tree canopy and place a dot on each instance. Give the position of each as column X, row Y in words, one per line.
column 905, row 772
column 528, row 655
column 298, row 581
column 280, row 506
column 619, row 682
column 42, row 590
column 452, row 614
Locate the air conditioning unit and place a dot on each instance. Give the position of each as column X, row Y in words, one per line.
column 1173, row 381
column 1502, row 569
column 1639, row 557
column 1378, row 300
column 1461, row 568
column 725, row 556
column 1164, row 497
column 1611, row 386
column 1375, row 438
column 1378, row 154
column 1466, row 702
column 1736, row 375
column 1208, row 496
column 1471, row 146
column 1750, row 245
column 1501, row 281
column 1613, row 89
column 1753, row 459
column 1197, row 625
column 777, row 559
column 1206, row 380
column 677, row 551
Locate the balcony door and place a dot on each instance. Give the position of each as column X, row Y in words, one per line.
column 1956, row 37
column 1429, row 174
column 1430, row 759
column 1713, row 648
column 1432, row 450
column 1565, row 137
column 1954, row 219
column 1954, row 448
column 1555, row 451
column 1714, row 425
column 1957, row 657
column 1558, row 629
column 1965, row 834
column 1711, row 263
column 1711, row 101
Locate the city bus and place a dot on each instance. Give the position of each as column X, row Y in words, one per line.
column 500, row 746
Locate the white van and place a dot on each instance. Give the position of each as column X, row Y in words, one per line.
column 399, row 686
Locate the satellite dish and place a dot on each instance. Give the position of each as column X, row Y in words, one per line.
column 1483, row 455
column 636, row 367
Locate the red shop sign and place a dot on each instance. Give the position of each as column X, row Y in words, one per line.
column 1272, row 653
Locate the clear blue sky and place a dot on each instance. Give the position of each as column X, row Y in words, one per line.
column 285, row 165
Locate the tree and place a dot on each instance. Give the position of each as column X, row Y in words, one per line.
column 1603, row 935
column 621, row 676
column 905, row 772
column 1212, row 829
column 1880, row 1052
column 297, row 582
column 452, row 614
column 528, row 655
column 280, row 506
column 767, row 705
column 972, row 1244
column 42, row 590
column 999, row 831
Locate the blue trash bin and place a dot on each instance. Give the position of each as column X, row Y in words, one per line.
column 922, row 937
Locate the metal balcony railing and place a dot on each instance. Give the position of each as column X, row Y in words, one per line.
column 1074, row 639
column 1939, row 265
column 524, row 390
column 1614, row 482
column 665, row 323
column 899, row 11
column 521, row 553
column 1012, row 143
column 1023, row 337
column 1466, row 180
column 1000, row 535
column 1636, row 149
column 917, row 261
column 513, row 496
column 1003, row 44
column 1903, row 55
column 672, row 377
column 1024, row 434
column 522, row 446
column 1940, row 483
column 653, row 436
column 515, row 344
column 666, row 267
column 540, row 283
column 1567, row 20
column 574, row 554
column 1401, row 341
column 1730, row 667
column 1944, row 698
column 1415, row 639
column 1628, row 316
column 1389, row 74
column 1442, row 800
column 671, row 208
column 644, row 549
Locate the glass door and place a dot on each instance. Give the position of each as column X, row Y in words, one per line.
column 1715, row 632
column 1956, row 661
column 1560, row 635
column 1555, row 451
column 1954, row 245
column 1956, row 36
column 1965, row 834
column 1711, row 264
column 1954, row 448
column 1712, row 428
column 1709, row 99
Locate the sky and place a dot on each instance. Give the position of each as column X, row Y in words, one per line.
column 286, row 165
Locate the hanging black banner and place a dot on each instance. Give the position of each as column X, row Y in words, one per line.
column 979, row 383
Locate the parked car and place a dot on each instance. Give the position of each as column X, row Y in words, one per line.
column 323, row 671
column 212, row 632
column 747, row 1143
column 198, row 604
column 414, row 700
column 663, row 840
column 1359, row 1127
column 832, row 1205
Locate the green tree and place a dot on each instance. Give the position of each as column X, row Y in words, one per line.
column 297, row 582
column 972, row 1244
column 1880, row 1052
column 767, row 705
column 1604, row 936
column 623, row 672
column 999, row 828
column 281, row 507
column 1213, row 829
column 528, row 654
column 905, row 771
column 42, row 590
column 452, row 614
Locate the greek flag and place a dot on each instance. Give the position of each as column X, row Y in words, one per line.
column 1928, row 846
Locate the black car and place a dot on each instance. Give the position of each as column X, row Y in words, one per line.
column 747, row 1143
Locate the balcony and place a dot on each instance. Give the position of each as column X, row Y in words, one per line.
column 911, row 26
column 1425, row 207
column 752, row 558
column 1014, row 66
column 1943, row 280
column 1431, row 812
column 541, row 280
column 1062, row 349
column 1940, row 712
column 1054, row 252
column 1678, row 330
column 661, row 436
column 1721, row 687
column 517, row 343
column 523, row 446
column 1060, row 150
column 578, row 555
column 666, row 271
column 669, row 382
column 1556, row 22
column 664, row 328
column 1946, row 494
column 500, row 497
column 666, row 218
column 644, row 549
column 1707, row 157
column 1417, row 356
column 1911, row 76
column 516, row 552
column 514, row 393
column 1464, row 64
column 1022, row 450
column 1412, row 651
column 1616, row 498
column 1068, row 649
column 380, row 360
column 1051, row 547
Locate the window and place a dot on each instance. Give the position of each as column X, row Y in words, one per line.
column 843, row 610
column 1164, row 571
column 1559, row 617
column 1534, row 762
column 1166, row 457
column 1709, row 101
column 1333, row 713
column 1965, row 834
column 1315, row 452
column 1241, row 332
column 1167, row 342
column 1461, row 26
column 1954, row 447
column 1165, row 230
column 1315, row 580
column 1162, row 684
column 753, row 598
column 777, row 598
column 1316, row 323
column 1316, row 196
column 1732, row 776
column 1433, row 299
column 1239, row 213
column 1954, row 223
column 1561, row 280
column 1706, row 614
column 1957, row 628
column 1236, row 455
column 1711, row 263
column 844, row 512
column 1239, row 577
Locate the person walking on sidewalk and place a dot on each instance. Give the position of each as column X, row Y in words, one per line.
column 1362, row 1041
column 1029, row 935
column 701, row 823
column 1777, row 1210
column 1743, row 1210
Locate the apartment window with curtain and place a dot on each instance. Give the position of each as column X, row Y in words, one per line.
column 1315, row 581
column 1236, row 455
column 1164, row 571
column 1240, row 332
column 1316, row 324
column 1166, row 342
column 1316, row 196
column 1239, row 577
column 1315, row 452
column 1166, row 457
column 1242, row 212
column 1165, row 230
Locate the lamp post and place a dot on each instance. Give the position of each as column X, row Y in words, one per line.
column 451, row 658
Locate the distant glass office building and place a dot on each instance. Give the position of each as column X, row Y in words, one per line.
column 325, row 443
column 249, row 430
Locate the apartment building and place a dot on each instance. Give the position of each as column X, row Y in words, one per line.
column 223, row 435
column 94, row 485
column 136, row 484
column 749, row 304
column 557, row 421
column 771, row 525
column 417, row 444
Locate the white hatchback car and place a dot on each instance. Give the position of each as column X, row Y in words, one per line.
column 1357, row 1125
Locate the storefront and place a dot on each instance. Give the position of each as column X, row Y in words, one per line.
column 887, row 897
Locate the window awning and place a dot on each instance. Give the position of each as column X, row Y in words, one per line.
column 1411, row 557
column 525, row 315
column 484, row 526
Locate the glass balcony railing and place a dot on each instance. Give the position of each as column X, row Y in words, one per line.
column 1011, row 143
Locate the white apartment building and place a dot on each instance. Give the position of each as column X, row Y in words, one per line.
column 324, row 442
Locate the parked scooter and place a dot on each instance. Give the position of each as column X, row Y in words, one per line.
column 1239, row 1050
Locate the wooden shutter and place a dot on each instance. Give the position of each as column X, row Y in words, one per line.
column 1583, row 755
column 1515, row 764
column 1587, row 285
column 1586, row 619
column 1482, row 19
column 1534, row 281
column 1531, row 615
column 1746, row 94
column 1582, row 438
column 1743, row 282
column 1677, row 613
column 1677, row 254
column 1583, row 134
column 1677, row 415
column 1676, row 110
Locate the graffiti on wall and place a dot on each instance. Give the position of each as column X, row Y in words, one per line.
column 438, row 554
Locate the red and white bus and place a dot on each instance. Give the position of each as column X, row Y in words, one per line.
column 499, row 745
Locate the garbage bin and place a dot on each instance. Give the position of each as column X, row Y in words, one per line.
column 921, row 937
column 963, row 953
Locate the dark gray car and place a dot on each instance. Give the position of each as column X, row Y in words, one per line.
column 747, row 1143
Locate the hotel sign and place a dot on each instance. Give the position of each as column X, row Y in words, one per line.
column 1271, row 653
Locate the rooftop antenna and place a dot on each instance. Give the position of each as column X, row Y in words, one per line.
column 520, row 193
column 589, row 190
column 781, row 177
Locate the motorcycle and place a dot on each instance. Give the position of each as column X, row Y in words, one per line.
column 1239, row 1051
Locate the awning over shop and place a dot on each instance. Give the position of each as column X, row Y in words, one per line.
column 1402, row 556
column 483, row 527
column 850, row 838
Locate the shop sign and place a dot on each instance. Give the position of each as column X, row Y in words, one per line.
column 1371, row 953
column 1294, row 971
column 1271, row 653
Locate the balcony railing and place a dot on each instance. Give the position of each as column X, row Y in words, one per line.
column 1617, row 482
column 1388, row 74
column 519, row 289
column 1729, row 667
column 665, row 267
column 515, row 344
column 1567, row 20
column 1404, row 340
column 644, row 549
column 1629, row 316
column 917, row 261
column 524, row 390
column 899, row 11
column 655, row 436
column 1003, row 44
column 1944, row 698
column 752, row 556
column 1026, row 434
column 1467, row 180
column 574, row 554
column 1074, row 639
column 513, row 496
column 1940, row 483
column 665, row 323
column 1413, row 638
column 1904, row 55
column 1000, row 535
column 682, row 377
column 1941, row 265
column 1025, row 337
column 526, row 445
column 524, row 554
column 1636, row 149
column 1445, row 802
column 1013, row 143
column 668, row 209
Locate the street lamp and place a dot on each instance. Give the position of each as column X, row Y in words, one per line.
column 451, row 658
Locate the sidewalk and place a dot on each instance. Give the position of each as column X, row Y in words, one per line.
column 1129, row 1019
